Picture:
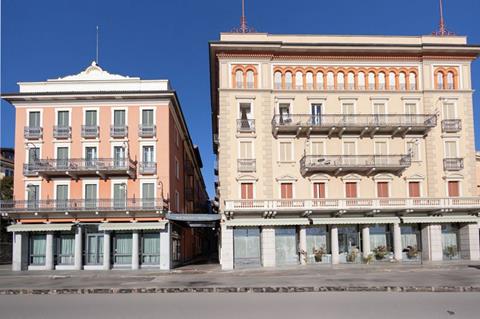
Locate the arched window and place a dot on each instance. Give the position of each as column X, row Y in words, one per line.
column 450, row 81
column 351, row 80
column 239, row 79
column 439, row 81
column 278, row 80
column 299, row 80
column 381, row 81
column 330, row 81
column 371, row 81
column 320, row 81
column 391, row 81
column 402, row 81
column 250, row 79
column 361, row 81
column 309, row 79
column 412, row 80
column 340, row 81
column 288, row 80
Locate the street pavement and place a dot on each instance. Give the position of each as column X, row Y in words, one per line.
column 295, row 305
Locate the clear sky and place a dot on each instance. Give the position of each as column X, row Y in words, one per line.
column 156, row 39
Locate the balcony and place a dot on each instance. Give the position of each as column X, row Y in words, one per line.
column 32, row 133
column 451, row 126
column 147, row 130
column 246, row 165
column 90, row 131
column 62, row 132
column 118, row 131
column 188, row 168
column 337, row 164
column 361, row 125
column 147, row 168
column 75, row 168
column 246, row 126
column 453, row 164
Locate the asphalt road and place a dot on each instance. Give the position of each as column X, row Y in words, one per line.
column 244, row 306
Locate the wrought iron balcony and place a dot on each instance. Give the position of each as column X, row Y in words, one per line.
column 90, row 131
column 451, row 126
column 118, row 131
column 246, row 165
column 361, row 124
column 76, row 167
column 188, row 167
column 147, row 130
column 147, row 168
column 453, row 164
column 354, row 163
column 32, row 133
column 62, row 131
column 87, row 205
column 245, row 126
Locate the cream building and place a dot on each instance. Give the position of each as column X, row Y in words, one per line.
column 344, row 149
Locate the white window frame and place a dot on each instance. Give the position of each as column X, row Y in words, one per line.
column 460, row 186
column 389, row 185
column 239, row 147
column 69, row 115
column 67, row 145
column 279, row 187
column 252, row 110
column 85, row 109
column 254, row 185
column 455, row 108
column 457, row 147
column 354, row 141
column 112, row 114
column 142, row 108
column 152, row 144
column 318, row 140
column 116, row 181
column 60, row 183
column 28, row 146
column 292, row 147
column 91, row 181
column 345, row 188
column 380, row 100
column 381, row 140
column 148, row 181
column 407, row 184
column 412, row 140
column 313, row 182
column 28, row 111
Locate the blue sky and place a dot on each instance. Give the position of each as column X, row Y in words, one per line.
column 169, row 39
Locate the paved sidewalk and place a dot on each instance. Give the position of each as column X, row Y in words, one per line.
column 461, row 276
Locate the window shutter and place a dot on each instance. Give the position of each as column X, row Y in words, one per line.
column 414, row 189
column 453, row 189
column 382, row 189
column 319, row 190
column 351, row 189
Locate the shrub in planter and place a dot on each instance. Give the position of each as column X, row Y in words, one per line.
column 380, row 252
column 318, row 254
column 352, row 255
column 451, row 251
column 412, row 252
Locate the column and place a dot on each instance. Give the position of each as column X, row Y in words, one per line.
column 19, row 251
column 366, row 241
column 334, row 244
column 106, row 251
column 302, row 244
column 49, row 252
column 268, row 247
column 226, row 248
column 78, row 248
column 135, row 250
column 397, row 241
column 469, row 242
column 165, row 244
column 432, row 243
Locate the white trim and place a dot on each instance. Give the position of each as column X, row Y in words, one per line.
column 90, row 181
column 266, row 222
column 148, row 180
column 460, row 184
column 345, row 181
column 349, row 140
column 247, row 178
column 84, row 112
column 383, row 177
column 455, row 108
column 147, row 143
column 33, row 109
column 355, row 220
column 134, row 226
column 140, row 111
column 60, row 109
column 419, row 145
column 28, row 145
column 67, row 145
column 118, row 181
column 112, row 113
column 457, row 149
column 284, row 100
column 411, row 101
column 318, row 181
column 252, row 147
column 252, row 108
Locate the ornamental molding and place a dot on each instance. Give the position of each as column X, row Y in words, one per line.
column 93, row 73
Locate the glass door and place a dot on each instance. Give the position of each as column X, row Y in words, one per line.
column 148, row 195
column 246, row 247
column 94, row 249
column 91, row 196
column 450, row 241
column 119, row 156
column 119, row 195
column 317, row 245
column 286, row 246
column 90, row 156
column 62, row 196
column 411, row 243
column 316, row 114
column 33, row 196
column 62, row 157
column 122, row 249
column 150, row 249
column 349, row 244
column 66, row 249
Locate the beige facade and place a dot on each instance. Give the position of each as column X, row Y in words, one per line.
column 343, row 130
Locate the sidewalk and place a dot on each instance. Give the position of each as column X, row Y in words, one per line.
column 459, row 276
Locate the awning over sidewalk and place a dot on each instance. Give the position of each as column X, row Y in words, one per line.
column 440, row 219
column 133, row 226
column 195, row 220
column 355, row 220
column 39, row 227
column 267, row 222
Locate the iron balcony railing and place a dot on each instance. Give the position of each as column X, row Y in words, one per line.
column 32, row 133
column 90, row 131
column 75, row 167
column 451, row 126
column 316, row 163
column 62, row 131
column 245, row 125
column 146, row 130
column 106, row 205
column 246, row 165
column 118, row 131
column 453, row 164
column 147, row 168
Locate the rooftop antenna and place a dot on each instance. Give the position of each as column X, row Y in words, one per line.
column 244, row 28
column 442, row 28
column 96, row 58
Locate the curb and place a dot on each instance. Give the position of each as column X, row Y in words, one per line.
column 88, row 291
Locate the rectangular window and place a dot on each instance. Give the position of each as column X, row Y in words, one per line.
column 33, row 154
column 284, row 110
column 94, row 249
column 317, row 148
column 38, row 247
column 150, row 249
column 316, row 110
column 318, row 190
column 91, row 118
column 453, row 188
column 413, row 148
column 62, row 157
column 61, row 196
column 90, row 155
column 410, row 108
column 351, row 189
column 34, row 119
column 451, row 149
column 147, row 117
column 414, row 189
column 449, row 111
column 177, row 201
column 90, row 195
column 286, row 190
column 148, row 153
column 247, row 190
column 62, row 118
column 382, row 189
column 66, row 249
column 119, row 156
column 119, row 117
column 148, row 194
column 177, row 169
column 119, row 195
column 348, row 110
column 286, row 152
column 33, row 195
column 246, row 150
column 122, row 249
column 380, row 111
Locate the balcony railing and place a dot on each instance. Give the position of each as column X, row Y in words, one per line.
column 451, row 126
column 147, row 168
column 147, row 130
column 118, row 131
column 90, row 131
column 246, row 165
column 32, row 133
column 246, row 125
column 76, row 167
column 453, row 164
column 354, row 123
column 105, row 205
column 343, row 163
column 62, row 131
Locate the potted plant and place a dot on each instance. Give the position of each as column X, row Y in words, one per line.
column 368, row 259
column 352, row 255
column 412, row 252
column 318, row 254
column 380, row 252
column 451, row 251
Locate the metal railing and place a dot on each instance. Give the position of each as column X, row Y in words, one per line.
column 451, row 126
column 62, row 131
column 453, row 164
column 32, row 133
column 332, row 162
column 147, row 130
column 90, row 131
column 79, row 166
column 118, row 130
column 245, row 125
column 147, row 167
column 246, row 165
